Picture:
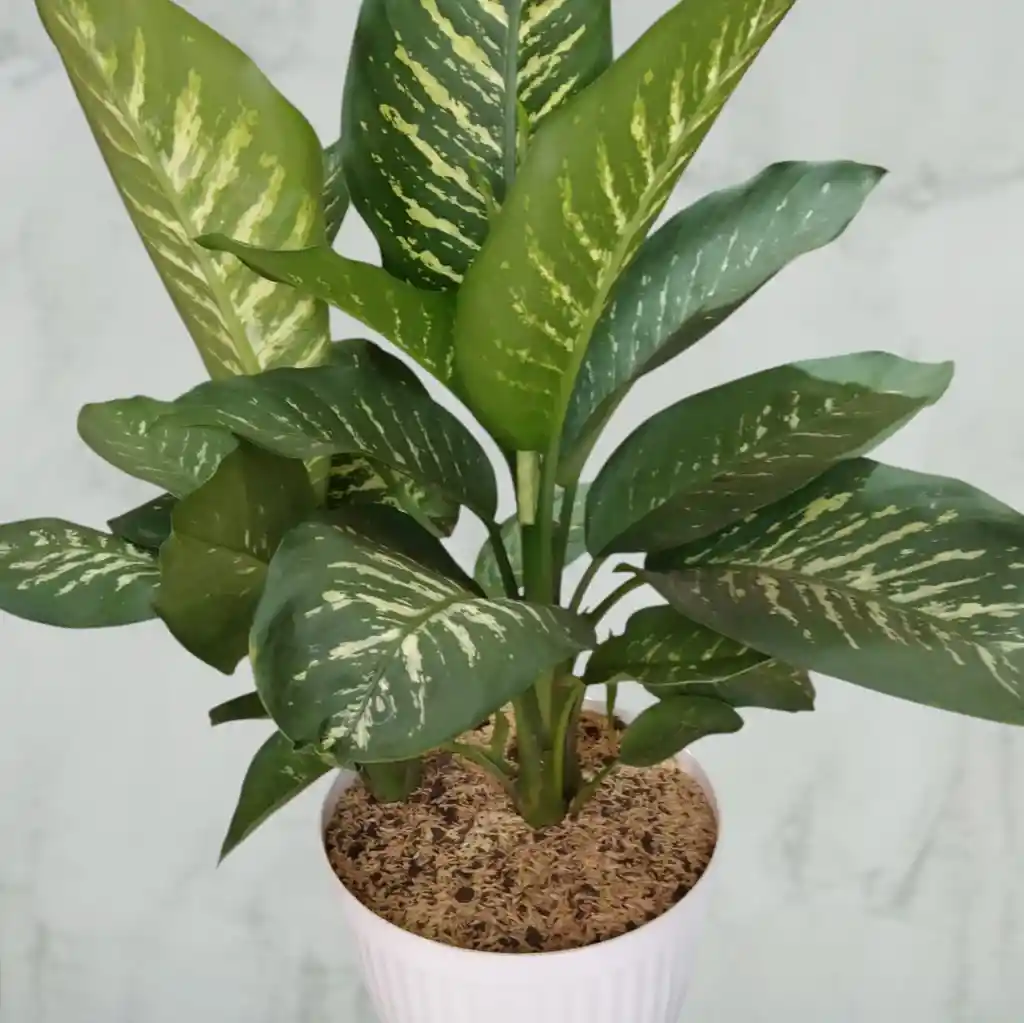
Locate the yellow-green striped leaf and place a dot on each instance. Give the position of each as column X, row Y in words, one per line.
column 214, row 564
column 698, row 269
column 669, row 726
column 368, row 654
column 148, row 525
column 198, row 141
column 356, row 408
column 897, row 581
column 488, row 574
column 596, row 176
column 356, row 480
column 335, row 195
column 721, row 454
column 673, row 656
column 277, row 774
column 126, row 434
column 247, row 707
column 432, row 114
column 59, row 573
column 416, row 321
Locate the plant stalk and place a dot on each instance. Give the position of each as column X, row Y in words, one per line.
column 613, row 598
column 508, row 575
column 586, row 579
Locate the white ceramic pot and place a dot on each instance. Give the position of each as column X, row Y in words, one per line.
column 640, row 977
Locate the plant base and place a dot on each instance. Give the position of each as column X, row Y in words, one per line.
column 456, row 864
column 640, row 977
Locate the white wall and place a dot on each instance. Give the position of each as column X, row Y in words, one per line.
column 874, row 851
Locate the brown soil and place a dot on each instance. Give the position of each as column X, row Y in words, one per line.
column 457, row 865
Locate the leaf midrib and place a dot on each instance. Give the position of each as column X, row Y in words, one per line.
column 701, row 484
column 414, row 626
column 793, row 576
column 626, row 240
column 510, row 74
column 243, row 349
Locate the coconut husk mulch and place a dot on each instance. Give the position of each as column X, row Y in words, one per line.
column 457, row 865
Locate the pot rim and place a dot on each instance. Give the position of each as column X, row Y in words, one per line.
column 343, row 779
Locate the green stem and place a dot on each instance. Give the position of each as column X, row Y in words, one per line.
column 482, row 758
column 584, row 584
column 508, row 575
column 538, row 801
column 589, row 790
column 613, row 598
column 611, row 699
column 573, row 693
column 562, row 535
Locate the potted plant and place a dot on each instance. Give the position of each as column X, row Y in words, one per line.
column 511, row 172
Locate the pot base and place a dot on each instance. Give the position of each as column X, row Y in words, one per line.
column 456, row 864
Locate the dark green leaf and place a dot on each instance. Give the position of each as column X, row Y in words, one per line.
column 430, row 116
column 671, row 725
column 487, row 573
column 698, row 269
column 393, row 529
column 277, row 774
column 672, row 656
column 148, row 525
column 59, row 573
column 720, row 455
column 356, row 480
column 125, row 434
column 335, row 197
column 213, row 566
column 364, row 652
column 355, row 409
column 247, row 707
column 417, row 322
column 197, row 140
column 897, row 581
column 595, row 178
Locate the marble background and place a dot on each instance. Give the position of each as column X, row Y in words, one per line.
column 874, row 852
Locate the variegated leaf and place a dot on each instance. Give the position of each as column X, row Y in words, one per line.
column 356, row 408
column 335, row 196
column 148, row 525
column 214, row 564
column 416, row 321
column 277, row 774
column 698, row 269
column 198, row 141
column 488, row 574
column 354, row 479
column 669, row 726
column 433, row 101
column 721, row 454
column 59, row 573
column 897, row 581
column 364, row 652
column 401, row 534
column 125, row 433
column 596, row 176
column 673, row 656
column 247, row 707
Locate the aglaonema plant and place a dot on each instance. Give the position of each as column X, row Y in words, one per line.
column 512, row 173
